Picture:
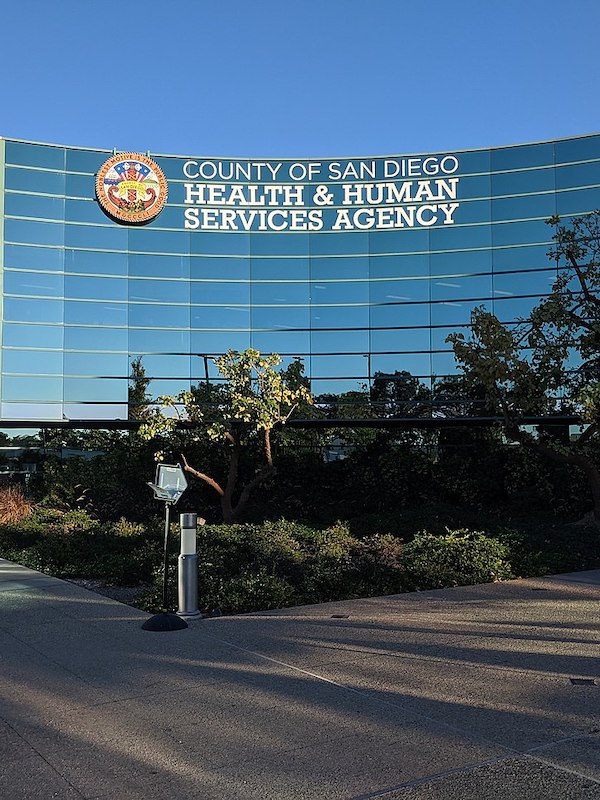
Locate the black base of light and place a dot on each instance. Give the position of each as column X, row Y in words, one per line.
column 164, row 622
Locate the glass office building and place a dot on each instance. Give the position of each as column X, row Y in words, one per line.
column 358, row 266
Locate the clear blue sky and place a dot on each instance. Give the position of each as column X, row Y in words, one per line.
column 298, row 77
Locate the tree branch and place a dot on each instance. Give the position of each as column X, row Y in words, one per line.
column 586, row 292
column 588, row 433
column 202, row 476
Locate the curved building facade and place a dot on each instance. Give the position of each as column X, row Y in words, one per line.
column 358, row 266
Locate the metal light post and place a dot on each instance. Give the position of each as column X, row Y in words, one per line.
column 170, row 484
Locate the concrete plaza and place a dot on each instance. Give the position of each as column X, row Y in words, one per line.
column 471, row 693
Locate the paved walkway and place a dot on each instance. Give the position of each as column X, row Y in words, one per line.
column 472, row 693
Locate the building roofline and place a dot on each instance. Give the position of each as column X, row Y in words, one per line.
column 306, row 158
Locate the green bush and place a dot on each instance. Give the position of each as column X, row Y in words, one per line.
column 458, row 558
column 74, row 545
column 254, row 567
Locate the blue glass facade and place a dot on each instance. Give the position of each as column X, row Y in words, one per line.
column 358, row 266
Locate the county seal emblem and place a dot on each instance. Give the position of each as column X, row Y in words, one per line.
column 131, row 188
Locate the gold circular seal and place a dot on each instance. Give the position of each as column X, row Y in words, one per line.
column 131, row 188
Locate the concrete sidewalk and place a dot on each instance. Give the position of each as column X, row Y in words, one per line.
column 471, row 693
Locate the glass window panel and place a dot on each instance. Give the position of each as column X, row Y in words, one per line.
column 16, row 335
column 30, row 205
column 97, row 364
column 95, row 338
column 277, row 244
column 162, row 341
column 94, row 236
column 219, row 268
column 171, row 166
column 274, row 268
column 512, row 233
column 85, row 160
column 517, row 258
column 400, row 315
column 27, row 411
column 143, row 315
column 38, row 389
column 100, row 390
column 339, row 341
column 400, row 290
column 220, row 317
column 280, row 317
column 169, row 366
column 226, row 244
column 35, row 155
column 282, row 292
column 340, row 317
column 40, row 284
column 476, row 161
column 220, row 292
column 146, row 240
column 339, row 292
column 455, row 312
column 541, row 205
column 337, row 268
column 80, row 287
column 170, row 387
column 21, row 256
column 444, row 364
column 510, row 310
column 79, row 186
column 461, row 287
column 475, row 186
column 84, row 211
column 32, row 362
column 219, row 342
column 171, row 217
column 18, row 309
column 399, row 266
column 324, row 244
column 82, row 261
column 451, row 238
column 519, row 156
column 118, row 410
column 30, row 180
column 469, row 212
column 578, row 175
column 81, row 313
column 516, row 283
column 415, row 363
column 281, row 341
column 18, row 230
column 578, row 201
column 159, row 266
column 461, row 262
column 410, row 339
column 159, row 291
column 339, row 366
column 580, row 149
column 408, row 240
column 203, row 365
column 439, row 336
column 337, row 385
column 531, row 180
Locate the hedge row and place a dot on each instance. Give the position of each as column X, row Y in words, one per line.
column 256, row 567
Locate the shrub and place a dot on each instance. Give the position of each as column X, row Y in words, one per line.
column 377, row 564
column 458, row 558
column 14, row 506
